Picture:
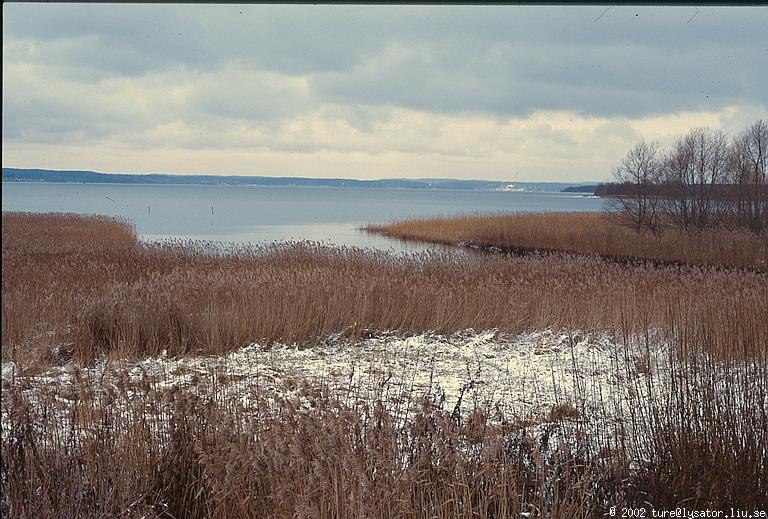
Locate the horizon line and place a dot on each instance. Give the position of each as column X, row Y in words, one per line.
column 288, row 177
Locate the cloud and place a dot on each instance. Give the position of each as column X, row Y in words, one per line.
column 509, row 59
column 495, row 89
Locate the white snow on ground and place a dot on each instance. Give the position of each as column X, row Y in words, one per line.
column 565, row 392
column 567, row 387
column 595, row 381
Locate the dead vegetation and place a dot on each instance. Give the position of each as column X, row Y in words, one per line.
column 67, row 300
column 596, row 234
column 121, row 445
column 707, row 179
column 315, row 456
column 85, row 290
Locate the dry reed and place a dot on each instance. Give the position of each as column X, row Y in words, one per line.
column 128, row 446
column 66, row 299
column 78, row 288
column 587, row 233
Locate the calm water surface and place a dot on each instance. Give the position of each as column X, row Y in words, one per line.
column 258, row 214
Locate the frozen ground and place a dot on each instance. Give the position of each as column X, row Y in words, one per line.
column 563, row 386
column 564, row 393
column 589, row 381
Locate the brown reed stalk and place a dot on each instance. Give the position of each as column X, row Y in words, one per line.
column 76, row 288
column 587, row 233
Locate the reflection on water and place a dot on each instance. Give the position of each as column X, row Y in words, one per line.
column 251, row 214
column 325, row 233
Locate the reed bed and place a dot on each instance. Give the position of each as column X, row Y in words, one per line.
column 598, row 234
column 67, row 300
column 280, row 458
column 122, row 441
column 88, row 296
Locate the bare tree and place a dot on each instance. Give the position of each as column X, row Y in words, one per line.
column 676, row 173
column 748, row 158
column 638, row 173
column 704, row 180
column 695, row 172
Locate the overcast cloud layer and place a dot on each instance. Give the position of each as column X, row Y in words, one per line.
column 508, row 93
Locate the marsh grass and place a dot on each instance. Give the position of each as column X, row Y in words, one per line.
column 117, row 444
column 596, row 234
column 283, row 460
column 84, row 291
column 67, row 298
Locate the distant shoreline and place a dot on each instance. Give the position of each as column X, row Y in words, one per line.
column 30, row 176
column 294, row 186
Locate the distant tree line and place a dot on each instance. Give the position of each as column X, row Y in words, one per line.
column 706, row 179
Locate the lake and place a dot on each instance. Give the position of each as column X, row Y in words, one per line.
column 258, row 214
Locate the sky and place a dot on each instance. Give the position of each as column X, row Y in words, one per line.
column 511, row 93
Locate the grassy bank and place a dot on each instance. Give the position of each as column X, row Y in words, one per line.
column 65, row 298
column 123, row 441
column 587, row 233
column 104, row 435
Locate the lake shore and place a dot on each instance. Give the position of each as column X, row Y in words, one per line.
column 150, row 379
column 593, row 234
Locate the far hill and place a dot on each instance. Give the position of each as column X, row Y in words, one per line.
column 92, row 177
